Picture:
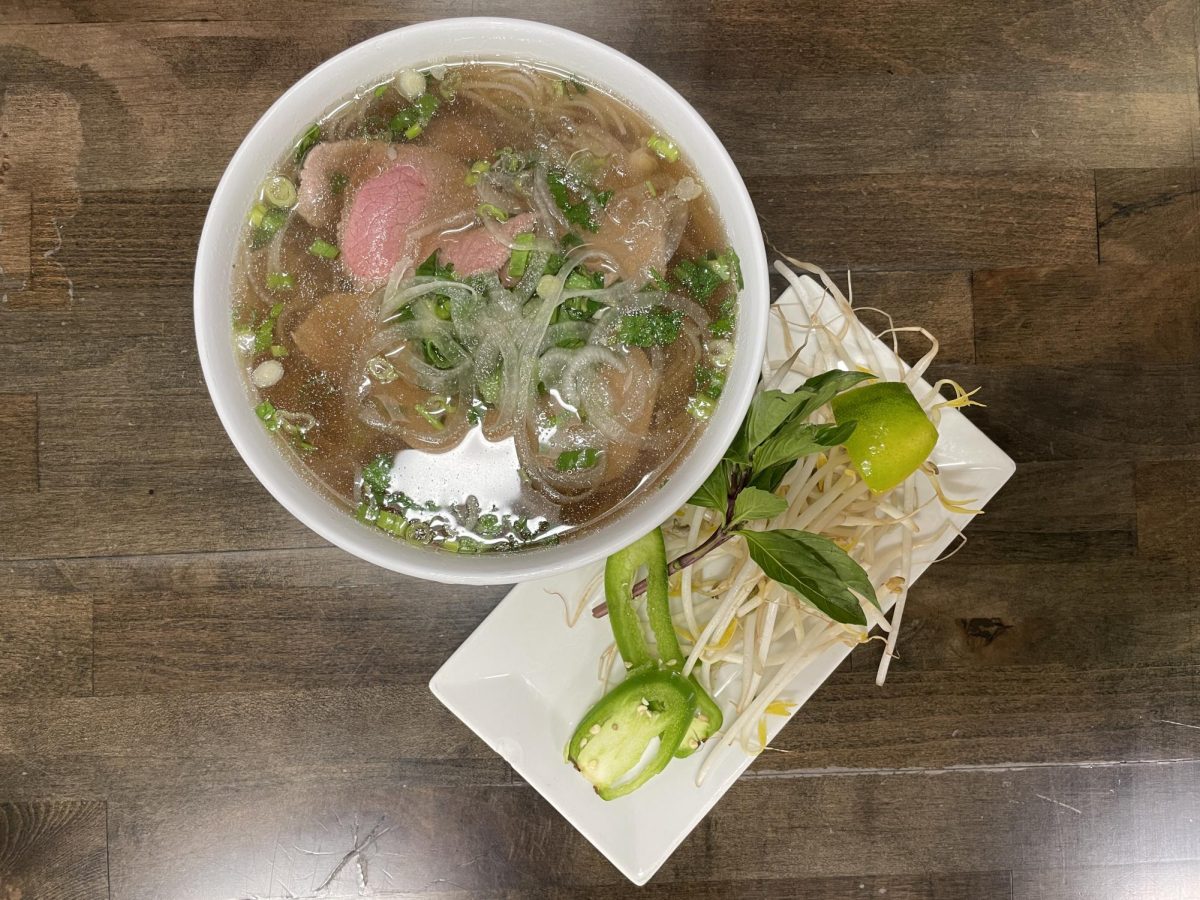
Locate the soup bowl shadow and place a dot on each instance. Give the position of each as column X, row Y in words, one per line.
column 427, row 44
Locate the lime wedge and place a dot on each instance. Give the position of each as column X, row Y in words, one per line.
column 893, row 435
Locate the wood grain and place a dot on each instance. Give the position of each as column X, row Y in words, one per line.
column 1148, row 215
column 928, row 221
column 46, row 633
column 1083, row 314
column 202, row 698
column 18, row 443
column 53, row 851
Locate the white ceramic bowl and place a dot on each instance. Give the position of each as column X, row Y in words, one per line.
column 419, row 45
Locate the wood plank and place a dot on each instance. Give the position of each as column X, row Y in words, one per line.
column 922, row 38
column 838, row 121
column 1088, row 314
column 53, row 850
column 162, row 518
column 18, row 442
column 929, row 221
column 46, row 632
column 961, row 123
column 249, row 840
column 949, row 717
column 15, row 218
column 1167, row 506
column 1047, row 412
column 1057, row 512
column 308, row 726
column 255, row 621
column 1052, row 614
column 938, row 301
column 1148, row 215
column 1147, row 881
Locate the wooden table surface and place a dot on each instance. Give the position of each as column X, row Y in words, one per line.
column 200, row 699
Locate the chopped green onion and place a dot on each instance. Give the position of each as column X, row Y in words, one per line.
column 266, row 411
column 491, row 211
column 278, row 351
column 338, row 182
column 443, row 308
column 434, row 419
column 323, row 249
column 650, row 188
column 583, row 281
column 264, row 332
column 548, row 285
column 571, row 460
column 489, row 386
column 434, row 355
column 268, row 226
column 477, row 169
column 571, row 239
column 382, row 370
column 702, row 407
column 519, row 261
column 257, row 212
column 664, row 148
column 307, row 141
column 280, row 281
column 414, row 131
column 392, row 523
column 381, row 89
column 279, row 192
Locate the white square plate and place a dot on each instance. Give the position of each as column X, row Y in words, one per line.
column 524, row 678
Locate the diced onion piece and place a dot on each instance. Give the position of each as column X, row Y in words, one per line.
column 411, row 83
column 688, row 189
column 267, row 373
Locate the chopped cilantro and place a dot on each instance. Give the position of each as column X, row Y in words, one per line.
column 656, row 327
column 709, row 382
column 377, row 478
column 722, row 325
column 697, row 279
column 571, row 460
column 582, row 212
column 431, row 267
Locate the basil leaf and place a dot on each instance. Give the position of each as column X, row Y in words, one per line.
column 797, row 439
column 714, row 493
column 814, row 568
column 768, row 410
column 839, row 560
column 769, row 479
column 752, row 503
column 825, row 387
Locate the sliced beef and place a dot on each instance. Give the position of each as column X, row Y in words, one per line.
column 356, row 161
column 383, row 214
column 334, row 330
column 391, row 193
column 475, row 250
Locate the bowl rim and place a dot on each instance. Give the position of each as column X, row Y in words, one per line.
column 223, row 224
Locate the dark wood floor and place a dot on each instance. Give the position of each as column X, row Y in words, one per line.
column 198, row 699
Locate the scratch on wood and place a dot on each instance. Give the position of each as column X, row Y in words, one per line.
column 1180, row 724
column 1060, row 803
